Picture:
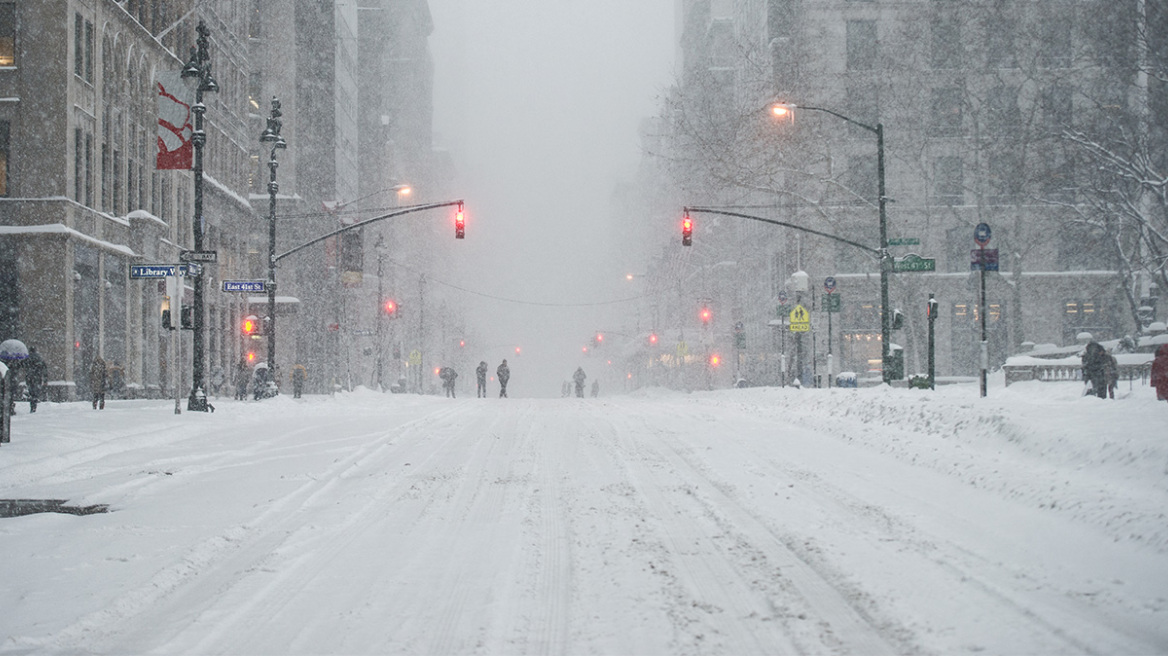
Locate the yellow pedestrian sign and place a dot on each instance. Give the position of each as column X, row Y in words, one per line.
column 800, row 320
column 415, row 358
column 682, row 350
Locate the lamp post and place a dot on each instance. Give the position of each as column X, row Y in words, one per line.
column 271, row 135
column 783, row 110
column 199, row 67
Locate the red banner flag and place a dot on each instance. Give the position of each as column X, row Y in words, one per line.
column 175, row 98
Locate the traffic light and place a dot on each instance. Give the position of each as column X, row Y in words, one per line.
column 652, row 339
column 687, row 231
column 715, row 360
column 598, row 340
column 459, row 223
column 250, row 326
column 251, row 357
column 389, row 307
column 706, row 315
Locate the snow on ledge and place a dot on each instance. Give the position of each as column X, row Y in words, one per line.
column 61, row 229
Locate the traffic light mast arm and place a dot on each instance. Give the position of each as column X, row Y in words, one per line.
column 710, row 210
column 362, row 224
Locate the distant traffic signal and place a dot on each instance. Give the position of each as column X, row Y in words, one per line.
column 687, row 231
column 250, row 326
column 598, row 340
column 706, row 315
column 389, row 307
column 652, row 339
column 251, row 357
column 715, row 360
column 459, row 224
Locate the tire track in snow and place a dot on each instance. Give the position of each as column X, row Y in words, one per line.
column 785, row 590
column 210, row 569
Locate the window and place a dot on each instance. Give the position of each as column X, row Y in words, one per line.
column 88, row 170
column 1002, row 115
column 1056, row 108
column 946, row 51
column 862, row 45
column 7, row 34
column 948, row 180
column 89, row 52
column 78, row 46
column 946, row 116
column 1054, row 47
column 999, row 42
column 4, row 150
column 780, row 18
column 1004, row 176
column 78, row 159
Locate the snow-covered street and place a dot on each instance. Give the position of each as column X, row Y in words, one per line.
column 740, row 521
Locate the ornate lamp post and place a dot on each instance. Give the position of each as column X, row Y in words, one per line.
column 271, row 135
column 199, row 67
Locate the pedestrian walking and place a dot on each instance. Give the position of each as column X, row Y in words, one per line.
column 595, row 388
column 242, row 380
column 217, row 379
column 36, row 375
column 448, row 376
column 299, row 375
column 481, row 378
column 579, row 378
column 1111, row 372
column 1160, row 373
column 504, row 374
column 1095, row 368
column 97, row 382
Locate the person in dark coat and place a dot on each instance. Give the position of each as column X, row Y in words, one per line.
column 1111, row 368
column 448, row 376
column 579, row 377
column 504, row 374
column 299, row 375
column 242, row 380
column 97, row 382
column 481, row 378
column 36, row 374
column 1095, row 368
column 1160, row 373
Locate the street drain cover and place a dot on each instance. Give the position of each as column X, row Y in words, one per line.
column 19, row 507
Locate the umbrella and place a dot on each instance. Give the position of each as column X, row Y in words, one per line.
column 13, row 350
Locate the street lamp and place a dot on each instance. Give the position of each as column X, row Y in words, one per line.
column 199, row 67
column 787, row 111
column 271, row 135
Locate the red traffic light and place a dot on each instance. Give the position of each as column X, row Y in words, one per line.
column 687, row 231
column 715, row 360
column 390, row 307
column 652, row 339
column 459, row 224
column 706, row 315
column 251, row 325
column 251, row 357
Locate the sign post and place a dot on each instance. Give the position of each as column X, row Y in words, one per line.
column 831, row 300
column 981, row 235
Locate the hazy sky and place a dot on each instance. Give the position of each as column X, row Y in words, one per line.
column 539, row 105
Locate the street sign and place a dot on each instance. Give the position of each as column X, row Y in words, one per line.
column 913, row 262
column 800, row 320
column 682, row 349
column 983, row 259
column 194, row 269
column 415, row 358
column 981, row 234
column 829, row 284
column 831, row 302
column 782, row 297
column 139, row 271
column 244, row 286
column 904, row 241
column 199, row 256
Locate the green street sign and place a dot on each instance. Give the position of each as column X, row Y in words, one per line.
column 831, row 302
column 781, row 311
column 913, row 262
column 904, row 241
